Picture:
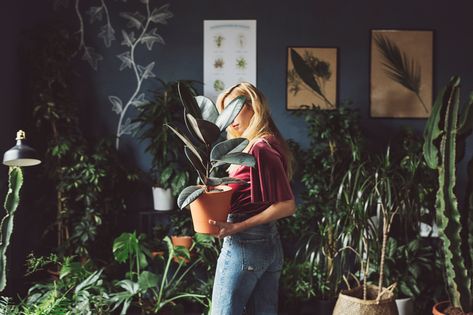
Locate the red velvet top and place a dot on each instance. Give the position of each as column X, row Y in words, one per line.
column 268, row 182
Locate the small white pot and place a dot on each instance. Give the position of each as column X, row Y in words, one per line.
column 163, row 199
column 405, row 306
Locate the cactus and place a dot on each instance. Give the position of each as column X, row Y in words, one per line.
column 443, row 137
column 15, row 181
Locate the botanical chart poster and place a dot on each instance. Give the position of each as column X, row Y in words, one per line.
column 229, row 54
column 311, row 77
column 401, row 73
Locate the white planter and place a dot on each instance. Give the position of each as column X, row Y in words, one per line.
column 163, row 199
column 405, row 306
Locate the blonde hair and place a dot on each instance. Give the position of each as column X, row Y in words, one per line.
column 261, row 124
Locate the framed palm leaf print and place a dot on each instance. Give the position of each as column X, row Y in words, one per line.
column 401, row 73
column 311, row 77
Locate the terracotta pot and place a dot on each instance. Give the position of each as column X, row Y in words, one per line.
column 185, row 241
column 211, row 205
column 439, row 307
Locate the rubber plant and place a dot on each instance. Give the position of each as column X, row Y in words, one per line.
column 204, row 151
column 445, row 133
column 15, row 181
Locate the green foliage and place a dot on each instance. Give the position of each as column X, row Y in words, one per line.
column 205, row 125
column 88, row 181
column 79, row 289
column 320, row 227
column 181, row 223
column 440, row 149
column 167, row 167
column 164, row 287
column 15, row 181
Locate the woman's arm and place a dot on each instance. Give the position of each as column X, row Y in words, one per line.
column 274, row 212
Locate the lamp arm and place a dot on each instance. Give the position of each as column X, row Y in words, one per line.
column 15, row 181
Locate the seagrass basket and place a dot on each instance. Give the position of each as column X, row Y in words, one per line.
column 350, row 302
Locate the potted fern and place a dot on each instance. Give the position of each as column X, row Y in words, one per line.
column 210, row 198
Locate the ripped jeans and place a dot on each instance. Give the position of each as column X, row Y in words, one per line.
column 248, row 271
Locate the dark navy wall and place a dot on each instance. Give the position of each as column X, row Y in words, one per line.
column 342, row 24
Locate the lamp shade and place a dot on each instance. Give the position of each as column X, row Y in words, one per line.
column 21, row 154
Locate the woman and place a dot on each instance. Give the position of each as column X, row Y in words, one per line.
column 250, row 263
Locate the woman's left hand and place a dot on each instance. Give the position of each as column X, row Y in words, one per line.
column 226, row 228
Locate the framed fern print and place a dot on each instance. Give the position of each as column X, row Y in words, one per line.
column 401, row 73
column 311, row 77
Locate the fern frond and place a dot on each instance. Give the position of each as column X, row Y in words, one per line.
column 399, row 67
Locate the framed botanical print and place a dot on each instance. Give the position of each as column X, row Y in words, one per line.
column 311, row 77
column 401, row 75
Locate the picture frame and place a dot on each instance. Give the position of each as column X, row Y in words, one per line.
column 311, row 77
column 401, row 73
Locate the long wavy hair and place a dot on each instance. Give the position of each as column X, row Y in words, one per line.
column 261, row 124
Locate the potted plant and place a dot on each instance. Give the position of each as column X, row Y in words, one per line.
column 168, row 172
column 181, row 230
column 210, row 199
column 445, row 134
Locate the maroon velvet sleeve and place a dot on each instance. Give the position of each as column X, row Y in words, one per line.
column 269, row 182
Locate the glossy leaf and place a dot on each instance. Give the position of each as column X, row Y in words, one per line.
column 229, row 113
column 186, row 141
column 207, row 108
column 238, row 158
column 196, row 163
column 228, row 146
column 188, row 195
column 147, row 280
column 188, row 100
column 206, row 131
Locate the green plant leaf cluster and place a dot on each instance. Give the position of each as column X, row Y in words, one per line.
column 202, row 148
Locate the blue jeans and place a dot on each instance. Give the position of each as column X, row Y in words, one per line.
column 248, row 271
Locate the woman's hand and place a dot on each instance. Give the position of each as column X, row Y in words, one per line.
column 226, row 228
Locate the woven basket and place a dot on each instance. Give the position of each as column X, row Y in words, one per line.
column 350, row 302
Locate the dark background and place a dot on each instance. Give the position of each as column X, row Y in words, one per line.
column 342, row 24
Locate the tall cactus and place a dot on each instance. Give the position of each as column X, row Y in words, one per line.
column 15, row 181
column 440, row 151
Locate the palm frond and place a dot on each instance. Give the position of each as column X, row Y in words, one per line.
column 399, row 67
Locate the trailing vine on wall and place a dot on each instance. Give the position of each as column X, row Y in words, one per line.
column 141, row 30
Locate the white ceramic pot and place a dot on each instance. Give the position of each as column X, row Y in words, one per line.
column 405, row 306
column 163, row 199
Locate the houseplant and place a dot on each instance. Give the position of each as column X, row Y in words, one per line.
column 211, row 198
column 168, row 172
column 445, row 134
column 320, row 228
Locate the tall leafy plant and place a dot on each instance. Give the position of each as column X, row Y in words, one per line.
column 167, row 167
column 445, row 133
column 322, row 227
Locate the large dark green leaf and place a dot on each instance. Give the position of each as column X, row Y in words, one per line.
column 206, row 131
column 229, row 113
column 304, row 71
column 207, row 108
column 196, row 163
column 188, row 195
column 238, row 158
column 186, row 141
column 228, row 146
column 188, row 100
